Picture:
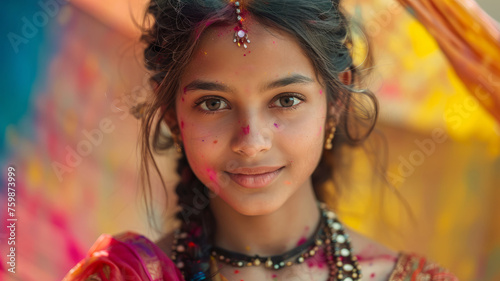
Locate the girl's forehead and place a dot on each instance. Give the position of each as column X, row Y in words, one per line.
column 270, row 52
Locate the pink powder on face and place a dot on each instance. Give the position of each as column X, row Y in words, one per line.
column 320, row 91
column 276, row 125
column 236, row 271
column 182, row 99
column 372, row 275
column 246, row 130
column 274, row 276
column 320, row 129
column 182, row 124
column 287, row 182
column 212, row 174
column 215, row 141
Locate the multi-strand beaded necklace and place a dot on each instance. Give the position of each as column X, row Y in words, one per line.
column 329, row 235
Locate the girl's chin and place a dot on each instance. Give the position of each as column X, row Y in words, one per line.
column 253, row 207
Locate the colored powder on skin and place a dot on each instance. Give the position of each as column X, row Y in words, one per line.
column 274, row 276
column 244, row 55
column 246, row 130
column 276, row 125
column 182, row 124
column 211, row 174
column 318, row 260
column 247, row 248
column 320, row 129
column 302, row 240
column 203, row 140
column 320, row 91
column 182, row 99
column 215, row 141
column 236, row 271
column 372, row 275
column 287, row 182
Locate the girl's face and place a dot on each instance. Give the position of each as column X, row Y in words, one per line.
column 252, row 120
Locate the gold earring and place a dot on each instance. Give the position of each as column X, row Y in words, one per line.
column 328, row 143
column 177, row 146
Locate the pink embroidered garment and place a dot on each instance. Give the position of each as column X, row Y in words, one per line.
column 127, row 256
column 130, row 256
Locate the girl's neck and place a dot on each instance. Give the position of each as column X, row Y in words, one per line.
column 267, row 235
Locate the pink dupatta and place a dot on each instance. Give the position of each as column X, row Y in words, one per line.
column 127, row 256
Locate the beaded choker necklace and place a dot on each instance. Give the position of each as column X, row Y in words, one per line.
column 329, row 235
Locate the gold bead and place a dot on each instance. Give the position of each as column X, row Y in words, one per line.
column 269, row 263
column 256, row 262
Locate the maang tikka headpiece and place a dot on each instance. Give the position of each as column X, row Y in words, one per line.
column 240, row 35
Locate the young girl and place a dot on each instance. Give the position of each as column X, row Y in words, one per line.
column 259, row 97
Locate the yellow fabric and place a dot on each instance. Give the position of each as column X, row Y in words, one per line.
column 470, row 39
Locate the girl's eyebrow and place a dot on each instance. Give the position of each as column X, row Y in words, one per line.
column 295, row 78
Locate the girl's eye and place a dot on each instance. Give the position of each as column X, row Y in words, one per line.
column 287, row 101
column 213, row 104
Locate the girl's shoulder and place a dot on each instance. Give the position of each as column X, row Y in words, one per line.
column 126, row 256
column 379, row 262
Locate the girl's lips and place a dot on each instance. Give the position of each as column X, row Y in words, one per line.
column 256, row 180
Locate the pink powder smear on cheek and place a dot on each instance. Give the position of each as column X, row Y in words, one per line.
column 246, row 130
column 320, row 91
column 276, row 125
column 212, row 175
column 274, row 276
column 372, row 275
column 320, row 129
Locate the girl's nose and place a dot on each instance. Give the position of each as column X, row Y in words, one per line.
column 252, row 138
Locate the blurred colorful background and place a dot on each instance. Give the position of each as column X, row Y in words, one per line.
column 71, row 71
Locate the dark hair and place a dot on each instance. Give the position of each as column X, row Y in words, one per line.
column 320, row 27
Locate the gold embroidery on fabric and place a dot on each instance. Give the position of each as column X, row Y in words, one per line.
column 107, row 270
column 93, row 277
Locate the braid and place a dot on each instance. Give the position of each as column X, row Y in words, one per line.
column 197, row 221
